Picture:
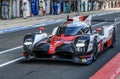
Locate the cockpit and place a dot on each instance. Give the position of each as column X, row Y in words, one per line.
column 72, row 29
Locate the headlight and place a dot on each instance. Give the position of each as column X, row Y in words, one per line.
column 27, row 43
column 80, row 44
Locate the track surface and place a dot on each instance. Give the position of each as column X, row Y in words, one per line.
column 36, row 69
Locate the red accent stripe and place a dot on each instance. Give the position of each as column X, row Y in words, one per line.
column 109, row 42
column 87, row 56
column 101, row 46
column 24, row 54
column 53, row 47
column 109, row 71
column 56, row 41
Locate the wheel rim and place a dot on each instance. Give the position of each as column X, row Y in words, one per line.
column 113, row 41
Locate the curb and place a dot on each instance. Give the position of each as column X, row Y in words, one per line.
column 109, row 71
column 8, row 30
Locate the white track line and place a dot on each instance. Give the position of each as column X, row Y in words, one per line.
column 5, row 51
column 9, row 62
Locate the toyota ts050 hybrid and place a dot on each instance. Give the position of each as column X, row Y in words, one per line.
column 72, row 41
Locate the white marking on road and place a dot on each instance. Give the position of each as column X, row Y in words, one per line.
column 12, row 61
column 5, row 51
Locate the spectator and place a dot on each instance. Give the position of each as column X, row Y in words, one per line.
column 113, row 4
column 67, row 6
column 109, row 4
column 72, row 7
column 58, row 6
column 103, row 5
column 4, row 10
column 44, row 8
column 97, row 5
column 41, row 8
column 94, row 5
column 119, row 4
column 89, row 6
column 24, row 7
column 83, row 4
column 106, row 3
column 55, row 8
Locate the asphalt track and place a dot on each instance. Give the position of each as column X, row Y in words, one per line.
column 37, row 69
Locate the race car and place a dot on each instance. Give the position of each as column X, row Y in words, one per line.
column 72, row 41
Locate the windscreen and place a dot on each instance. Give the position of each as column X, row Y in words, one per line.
column 68, row 31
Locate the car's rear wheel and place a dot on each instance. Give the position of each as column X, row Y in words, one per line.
column 113, row 39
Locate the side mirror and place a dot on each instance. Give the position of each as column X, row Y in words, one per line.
column 99, row 30
column 41, row 29
column 81, row 18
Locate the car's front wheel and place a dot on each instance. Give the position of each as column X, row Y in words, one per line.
column 26, row 56
column 95, row 49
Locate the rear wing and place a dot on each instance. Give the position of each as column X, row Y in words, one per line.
column 88, row 19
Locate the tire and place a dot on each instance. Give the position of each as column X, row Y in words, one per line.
column 95, row 50
column 25, row 60
column 113, row 40
column 27, row 57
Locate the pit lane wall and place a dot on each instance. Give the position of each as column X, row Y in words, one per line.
column 109, row 71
